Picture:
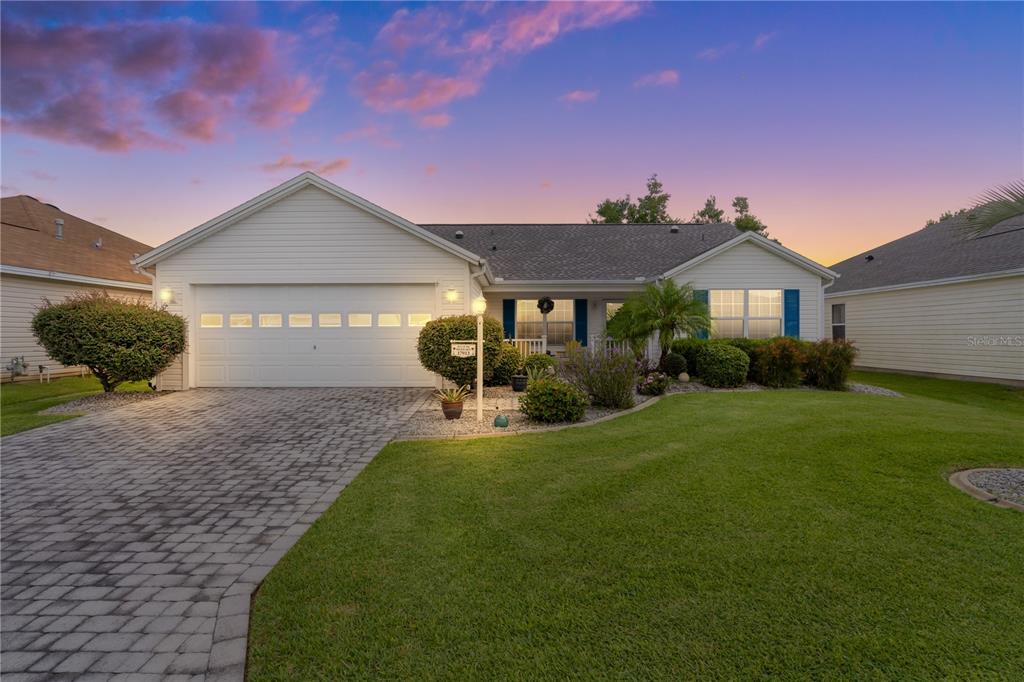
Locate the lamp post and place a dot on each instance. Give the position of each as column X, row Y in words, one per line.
column 479, row 308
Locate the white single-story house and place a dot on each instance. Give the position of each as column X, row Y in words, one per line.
column 49, row 254
column 937, row 303
column 311, row 285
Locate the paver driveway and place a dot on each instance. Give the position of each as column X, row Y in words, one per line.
column 133, row 540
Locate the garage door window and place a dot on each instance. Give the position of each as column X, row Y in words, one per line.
column 360, row 320
column 243, row 320
column 211, row 320
column 419, row 319
column 329, row 320
column 389, row 320
column 270, row 319
column 300, row 319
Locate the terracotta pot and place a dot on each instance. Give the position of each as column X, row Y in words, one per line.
column 519, row 382
column 451, row 410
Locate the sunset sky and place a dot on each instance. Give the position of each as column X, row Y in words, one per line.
column 847, row 125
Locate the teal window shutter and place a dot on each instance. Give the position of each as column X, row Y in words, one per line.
column 791, row 312
column 579, row 314
column 702, row 296
column 508, row 315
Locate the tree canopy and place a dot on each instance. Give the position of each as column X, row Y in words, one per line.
column 650, row 208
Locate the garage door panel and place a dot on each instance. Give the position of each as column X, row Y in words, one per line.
column 311, row 356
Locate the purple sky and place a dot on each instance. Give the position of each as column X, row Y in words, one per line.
column 846, row 125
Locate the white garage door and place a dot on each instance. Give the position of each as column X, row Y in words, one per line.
column 311, row 335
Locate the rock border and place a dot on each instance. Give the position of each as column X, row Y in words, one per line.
column 959, row 479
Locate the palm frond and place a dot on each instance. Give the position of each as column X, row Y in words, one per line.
column 995, row 205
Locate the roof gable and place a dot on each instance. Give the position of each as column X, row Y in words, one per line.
column 766, row 244
column 258, row 203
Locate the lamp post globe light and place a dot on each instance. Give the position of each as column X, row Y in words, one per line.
column 479, row 307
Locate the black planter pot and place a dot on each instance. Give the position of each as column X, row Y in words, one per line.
column 519, row 382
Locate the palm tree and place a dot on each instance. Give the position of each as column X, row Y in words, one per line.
column 993, row 207
column 667, row 309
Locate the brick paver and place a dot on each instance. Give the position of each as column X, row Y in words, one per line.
column 133, row 539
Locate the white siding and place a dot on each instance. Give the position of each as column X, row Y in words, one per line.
column 935, row 329
column 20, row 297
column 308, row 237
column 748, row 266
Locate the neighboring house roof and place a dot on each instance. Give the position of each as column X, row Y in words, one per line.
column 584, row 251
column 301, row 181
column 937, row 252
column 86, row 250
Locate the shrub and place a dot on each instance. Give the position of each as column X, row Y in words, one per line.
column 689, row 348
column 552, row 400
column 539, row 360
column 654, row 383
column 722, row 366
column 674, row 364
column 508, row 363
column 435, row 348
column 752, row 347
column 607, row 376
column 828, row 364
column 117, row 340
column 780, row 363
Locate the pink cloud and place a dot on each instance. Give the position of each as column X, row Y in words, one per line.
column 391, row 91
column 579, row 96
column 377, row 134
column 665, row 78
column 430, row 170
column 149, row 83
column 711, row 54
column 288, row 162
column 42, row 175
column 763, row 39
column 439, row 120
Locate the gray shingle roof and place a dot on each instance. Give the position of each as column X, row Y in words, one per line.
column 937, row 252
column 585, row 251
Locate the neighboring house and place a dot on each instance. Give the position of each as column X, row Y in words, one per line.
column 46, row 253
column 936, row 303
column 310, row 285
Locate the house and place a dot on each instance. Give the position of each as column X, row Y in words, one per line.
column 47, row 253
column 936, row 303
column 311, row 285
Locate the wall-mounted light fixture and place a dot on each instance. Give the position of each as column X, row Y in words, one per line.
column 167, row 295
column 479, row 305
column 452, row 296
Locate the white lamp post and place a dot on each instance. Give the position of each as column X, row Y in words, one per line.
column 479, row 308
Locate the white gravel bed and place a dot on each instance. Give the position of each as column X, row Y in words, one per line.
column 1006, row 484
column 99, row 402
column 873, row 390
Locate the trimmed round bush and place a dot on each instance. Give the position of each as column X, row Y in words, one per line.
column 674, row 364
column 539, row 361
column 722, row 366
column 508, row 363
column 117, row 340
column 552, row 400
column 435, row 347
column 780, row 363
column 654, row 383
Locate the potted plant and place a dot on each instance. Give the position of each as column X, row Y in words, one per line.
column 451, row 400
column 519, row 379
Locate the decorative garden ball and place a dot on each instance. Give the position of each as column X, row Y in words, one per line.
column 501, row 421
column 684, row 377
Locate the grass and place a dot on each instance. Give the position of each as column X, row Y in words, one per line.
column 789, row 534
column 21, row 403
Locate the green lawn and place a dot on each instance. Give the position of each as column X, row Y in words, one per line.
column 789, row 534
column 21, row 402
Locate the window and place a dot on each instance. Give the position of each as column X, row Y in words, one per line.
column 300, row 319
column 243, row 320
column 270, row 320
column 419, row 319
column 610, row 309
column 838, row 321
column 210, row 320
column 530, row 323
column 329, row 319
column 753, row 313
column 360, row 320
column 389, row 320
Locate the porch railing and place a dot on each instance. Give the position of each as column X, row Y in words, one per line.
column 651, row 350
column 529, row 346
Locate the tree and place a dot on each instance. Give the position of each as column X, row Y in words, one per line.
column 667, row 309
column 650, row 208
column 745, row 220
column 434, row 347
column 710, row 213
column 993, row 207
column 117, row 340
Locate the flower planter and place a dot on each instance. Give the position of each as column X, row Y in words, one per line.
column 451, row 410
column 519, row 382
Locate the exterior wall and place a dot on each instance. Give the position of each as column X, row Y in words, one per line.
column 748, row 266
column 308, row 237
column 20, row 297
column 970, row 329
